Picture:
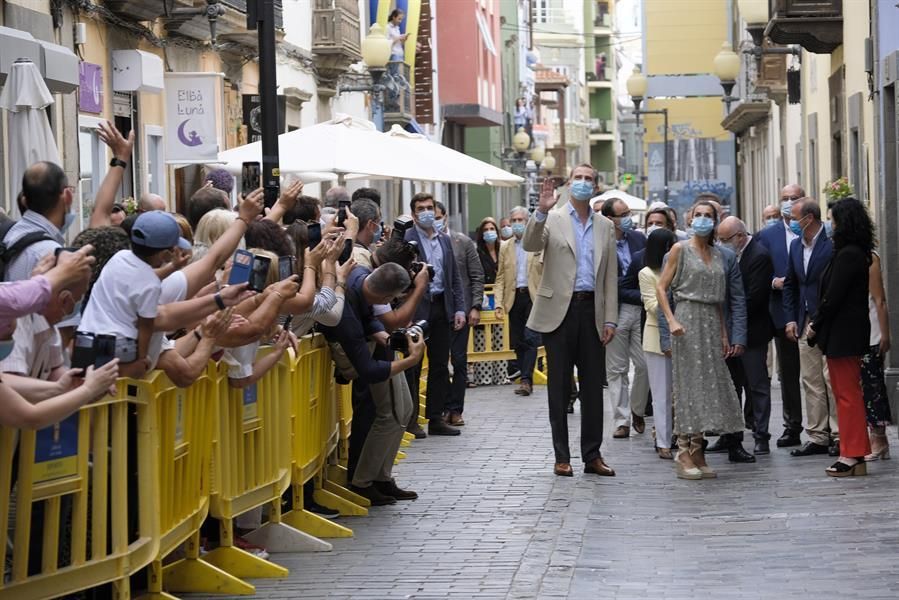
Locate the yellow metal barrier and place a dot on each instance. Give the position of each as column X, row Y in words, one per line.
column 314, row 417
column 85, row 477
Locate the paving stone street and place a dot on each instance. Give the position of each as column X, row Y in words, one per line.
column 493, row 521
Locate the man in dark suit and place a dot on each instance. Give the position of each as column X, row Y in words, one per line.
column 776, row 238
column 751, row 369
column 809, row 255
column 443, row 308
column 627, row 345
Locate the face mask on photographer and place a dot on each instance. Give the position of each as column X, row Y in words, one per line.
column 426, row 219
column 376, row 236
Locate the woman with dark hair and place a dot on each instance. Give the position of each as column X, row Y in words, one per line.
column 658, row 358
column 841, row 329
column 703, row 393
column 270, row 236
column 495, row 372
column 487, row 241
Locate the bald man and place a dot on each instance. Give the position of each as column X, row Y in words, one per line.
column 750, row 371
column 777, row 238
column 150, row 202
column 770, row 215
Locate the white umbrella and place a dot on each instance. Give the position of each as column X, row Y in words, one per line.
column 454, row 166
column 354, row 149
column 25, row 96
column 632, row 202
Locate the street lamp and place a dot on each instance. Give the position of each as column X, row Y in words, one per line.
column 375, row 55
column 521, row 141
column 538, row 154
column 755, row 13
column 726, row 65
column 548, row 163
column 637, row 86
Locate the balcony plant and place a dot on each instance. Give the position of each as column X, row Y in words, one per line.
column 838, row 189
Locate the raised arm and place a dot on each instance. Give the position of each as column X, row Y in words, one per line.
column 121, row 149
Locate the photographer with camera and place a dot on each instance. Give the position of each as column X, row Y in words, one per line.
column 443, row 309
column 372, row 477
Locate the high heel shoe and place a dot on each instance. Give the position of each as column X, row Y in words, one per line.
column 696, row 448
column 683, row 445
column 841, row 469
column 880, row 447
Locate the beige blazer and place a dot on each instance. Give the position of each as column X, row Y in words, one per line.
column 648, row 280
column 555, row 237
column 507, row 274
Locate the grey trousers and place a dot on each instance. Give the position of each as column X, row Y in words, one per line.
column 626, row 348
column 393, row 409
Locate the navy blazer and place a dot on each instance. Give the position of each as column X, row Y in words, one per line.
column 629, row 286
column 755, row 266
column 453, row 295
column 774, row 239
column 800, row 294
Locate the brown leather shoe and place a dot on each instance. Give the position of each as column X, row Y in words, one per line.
column 598, row 467
column 455, row 419
column 638, row 422
column 623, row 431
column 664, row 453
column 563, row 470
column 525, row 389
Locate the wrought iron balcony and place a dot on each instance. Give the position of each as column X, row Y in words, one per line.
column 816, row 25
column 398, row 98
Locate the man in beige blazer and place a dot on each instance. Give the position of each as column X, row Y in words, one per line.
column 517, row 278
column 575, row 308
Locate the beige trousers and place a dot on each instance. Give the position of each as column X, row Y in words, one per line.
column 820, row 408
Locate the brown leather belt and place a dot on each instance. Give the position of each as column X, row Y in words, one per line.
column 582, row 296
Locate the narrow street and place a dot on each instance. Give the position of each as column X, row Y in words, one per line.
column 493, row 522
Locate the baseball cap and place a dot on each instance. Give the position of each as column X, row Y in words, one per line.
column 158, row 230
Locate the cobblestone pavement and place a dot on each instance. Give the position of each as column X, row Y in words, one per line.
column 494, row 522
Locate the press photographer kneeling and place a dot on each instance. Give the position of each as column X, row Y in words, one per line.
column 373, row 378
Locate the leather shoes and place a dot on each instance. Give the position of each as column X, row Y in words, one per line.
column 373, row 495
column 761, row 447
column 808, row 449
column 720, row 445
column 563, row 470
column 390, row 488
column 834, row 449
column 598, row 467
column 623, row 431
column 455, row 419
column 788, row 439
column 416, row 430
column 524, row 389
column 638, row 422
column 439, row 427
column 737, row 454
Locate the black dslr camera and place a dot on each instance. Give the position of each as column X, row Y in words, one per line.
column 398, row 341
column 416, row 268
column 401, row 225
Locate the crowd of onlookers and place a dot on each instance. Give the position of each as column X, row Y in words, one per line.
column 673, row 323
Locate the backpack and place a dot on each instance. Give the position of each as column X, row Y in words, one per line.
column 9, row 253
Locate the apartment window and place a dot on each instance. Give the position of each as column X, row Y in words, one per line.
column 92, row 169
column 155, row 160
column 541, row 11
column 858, row 164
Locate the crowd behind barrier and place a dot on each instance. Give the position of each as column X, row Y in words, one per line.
column 125, row 485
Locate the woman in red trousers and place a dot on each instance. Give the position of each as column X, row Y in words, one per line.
column 841, row 329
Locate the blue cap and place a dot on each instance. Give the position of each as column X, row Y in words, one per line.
column 158, row 230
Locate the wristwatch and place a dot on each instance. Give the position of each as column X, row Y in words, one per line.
column 115, row 162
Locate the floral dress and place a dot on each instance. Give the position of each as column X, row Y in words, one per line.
column 703, row 395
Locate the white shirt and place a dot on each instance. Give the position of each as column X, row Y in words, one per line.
column 521, row 265
column 37, row 351
column 127, row 288
column 807, row 249
column 240, row 360
column 396, row 47
column 174, row 289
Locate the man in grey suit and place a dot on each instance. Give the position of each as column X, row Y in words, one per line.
column 472, row 273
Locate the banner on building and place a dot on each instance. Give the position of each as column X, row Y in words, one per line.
column 193, row 104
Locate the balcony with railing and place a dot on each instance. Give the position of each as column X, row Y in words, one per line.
column 816, row 25
column 399, row 102
column 336, row 37
column 602, row 19
column 575, row 134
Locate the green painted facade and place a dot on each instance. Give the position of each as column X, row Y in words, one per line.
column 482, row 143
